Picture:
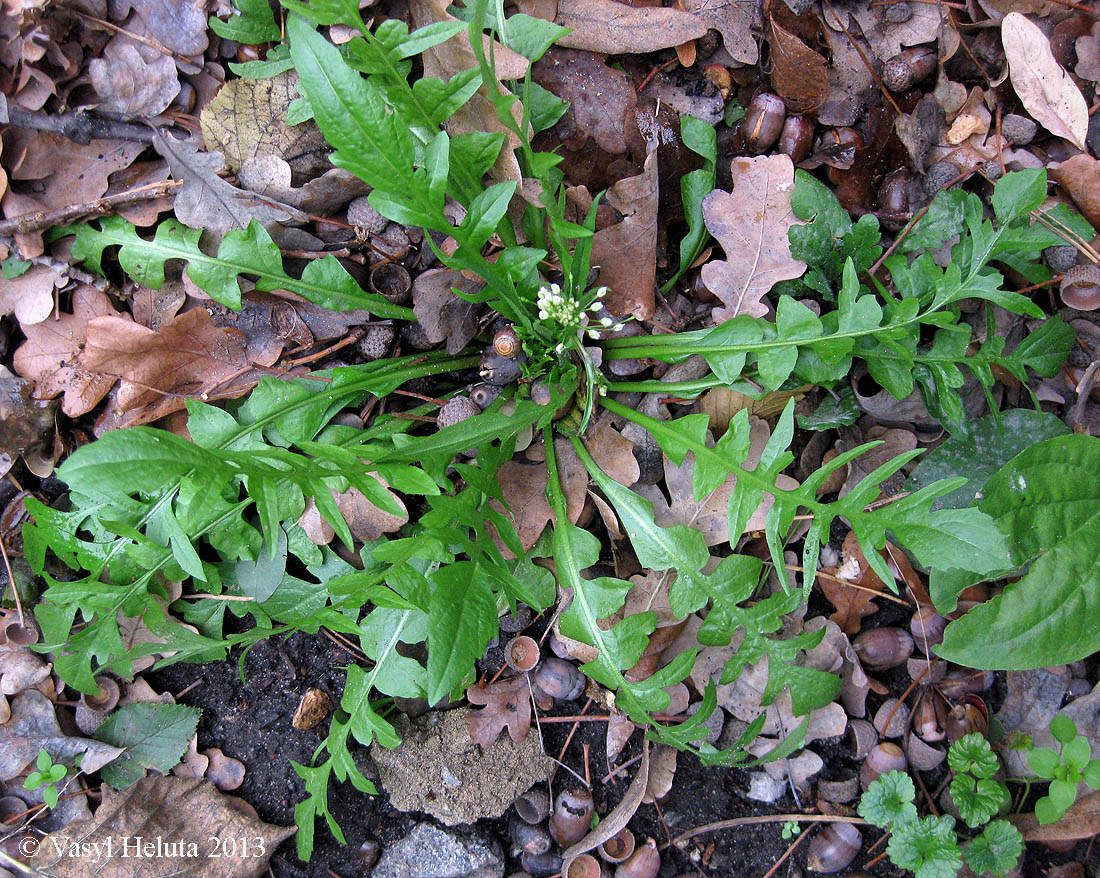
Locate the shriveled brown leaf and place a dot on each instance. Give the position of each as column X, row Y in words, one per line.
column 885, row 39
column 179, row 25
column 973, row 118
column 601, row 98
column 30, row 296
column 477, row 114
column 188, row 813
column 612, row 451
column 1088, row 54
column 26, row 424
column 188, row 356
column 626, row 251
column 799, row 74
column 50, row 357
column 662, row 771
column 365, row 520
column 1079, row 175
column 313, row 707
column 506, row 704
column 523, row 485
column 1044, row 88
column 271, row 176
column 72, row 173
column 751, row 224
column 737, row 20
column 32, row 727
column 248, row 119
column 616, row 29
column 442, row 314
column 133, row 80
column 20, row 669
column 852, row 604
column 206, row 201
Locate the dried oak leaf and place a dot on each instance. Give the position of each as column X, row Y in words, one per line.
column 206, row 201
column 442, row 314
column 617, row 29
column 50, row 357
column 187, row 813
column 737, row 20
column 799, row 74
column 32, row 727
column 478, row 114
column 179, row 25
column 133, row 80
column 188, row 356
column 248, row 119
column 1044, row 88
column 751, row 224
column 507, row 703
column 1081, row 820
column 26, row 426
column 30, row 296
column 72, row 173
column 601, row 98
column 852, row 604
column 1088, row 54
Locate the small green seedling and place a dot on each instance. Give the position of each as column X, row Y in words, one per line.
column 929, row 846
column 1064, row 769
column 791, row 828
column 46, row 777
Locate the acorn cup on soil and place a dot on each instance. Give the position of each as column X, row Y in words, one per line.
column 619, row 847
column 533, row 806
column 91, row 710
column 521, row 654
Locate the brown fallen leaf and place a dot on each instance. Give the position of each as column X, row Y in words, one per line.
column 313, row 707
column 737, row 20
column 662, row 771
column 442, row 314
column 26, row 426
column 1082, row 820
column 365, row 520
column 30, row 296
column 626, row 252
column 506, row 704
column 187, row 816
column 751, row 224
column 33, row 727
column 617, row 29
column 179, row 25
column 478, row 114
column 133, row 80
column 1079, row 175
column 852, row 604
column 612, row 451
column 799, row 74
column 247, row 119
column 188, row 356
column 1088, row 54
column 72, row 173
column 973, row 118
column 1044, row 88
column 50, row 357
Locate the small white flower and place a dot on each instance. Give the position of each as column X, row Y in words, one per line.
column 606, row 321
column 594, row 333
column 559, row 348
column 544, row 314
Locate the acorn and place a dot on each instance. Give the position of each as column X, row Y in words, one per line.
column 484, row 394
column 909, row 67
column 531, row 838
column 832, row 849
column 572, row 816
column 584, row 866
column 897, row 713
column 645, row 862
column 499, row 370
column 883, row 648
column 939, row 176
column 922, row 756
column 763, row 122
column 368, row 854
column 619, row 847
column 559, row 678
column 883, row 758
column 893, row 200
column 927, row 627
column 929, row 717
column 533, row 805
column 796, row 138
column 455, row 410
column 970, row 715
column 1080, row 287
column 92, row 710
column 247, row 53
column 522, row 654
column 863, row 737
column 506, row 343
column 541, row 865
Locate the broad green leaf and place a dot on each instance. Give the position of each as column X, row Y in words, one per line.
column 1018, row 193
column 462, row 618
column 255, row 24
column 927, row 847
column 1047, row 501
column 153, row 735
column 888, row 801
column 996, row 850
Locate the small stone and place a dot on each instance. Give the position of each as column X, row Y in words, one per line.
column 314, row 706
column 456, row 410
column 938, row 176
column 1060, row 259
column 765, row 788
column 430, row 852
column 365, row 217
column 1018, row 130
column 897, row 13
column 377, row 341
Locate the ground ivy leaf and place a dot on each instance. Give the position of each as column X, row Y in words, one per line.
column 1047, row 500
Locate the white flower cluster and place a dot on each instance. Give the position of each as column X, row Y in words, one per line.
column 568, row 312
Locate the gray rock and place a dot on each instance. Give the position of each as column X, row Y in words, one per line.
column 439, row 770
column 431, row 852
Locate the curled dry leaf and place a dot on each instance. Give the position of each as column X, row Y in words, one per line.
column 312, row 709
column 1079, row 175
column 133, row 80
column 188, row 356
column 751, row 224
column 852, row 604
column 442, row 314
column 185, row 813
column 523, row 485
column 799, row 74
column 1081, row 820
column 33, row 727
column 617, row 29
column 26, row 425
column 1044, row 88
column 737, row 20
column 50, row 357
column 662, row 771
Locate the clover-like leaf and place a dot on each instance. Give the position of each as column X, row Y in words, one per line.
column 927, row 847
column 978, row 800
column 889, row 800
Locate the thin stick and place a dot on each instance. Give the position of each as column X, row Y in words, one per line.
column 45, row 219
column 11, row 580
column 734, row 822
